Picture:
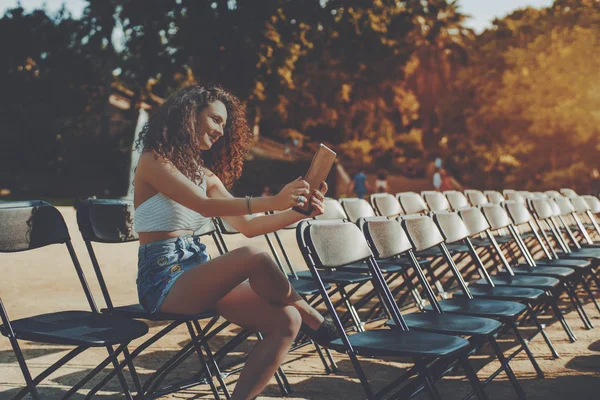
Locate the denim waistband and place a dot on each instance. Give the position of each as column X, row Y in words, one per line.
column 176, row 241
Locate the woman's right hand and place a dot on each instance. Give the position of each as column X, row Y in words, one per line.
column 288, row 196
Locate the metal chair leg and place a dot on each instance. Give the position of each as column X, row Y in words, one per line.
column 523, row 343
column 543, row 332
column 506, row 367
column 561, row 319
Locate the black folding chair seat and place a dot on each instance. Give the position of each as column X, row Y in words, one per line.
column 453, row 248
column 551, row 271
column 77, row 328
column 484, row 242
column 305, row 287
column 535, row 282
column 585, row 253
column 338, row 277
column 482, row 307
column 137, row 311
column 396, row 343
column 527, row 235
column 510, row 293
column 572, row 263
column 386, row 266
column 450, row 324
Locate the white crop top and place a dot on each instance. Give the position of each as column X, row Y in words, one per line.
column 160, row 213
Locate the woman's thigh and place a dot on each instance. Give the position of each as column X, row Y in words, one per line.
column 199, row 288
column 245, row 308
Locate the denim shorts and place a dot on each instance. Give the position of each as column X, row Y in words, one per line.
column 161, row 263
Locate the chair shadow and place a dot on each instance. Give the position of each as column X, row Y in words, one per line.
column 8, row 356
column 145, row 366
column 452, row 386
column 595, row 346
column 57, row 393
column 585, row 364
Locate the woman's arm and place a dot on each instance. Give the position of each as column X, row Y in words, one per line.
column 252, row 226
column 166, row 179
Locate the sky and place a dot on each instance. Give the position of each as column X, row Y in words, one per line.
column 482, row 12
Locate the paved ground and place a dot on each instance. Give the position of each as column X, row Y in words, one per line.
column 43, row 280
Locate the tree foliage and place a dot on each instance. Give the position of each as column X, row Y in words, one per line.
column 388, row 83
column 528, row 102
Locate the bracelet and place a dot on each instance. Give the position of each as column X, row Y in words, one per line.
column 248, row 205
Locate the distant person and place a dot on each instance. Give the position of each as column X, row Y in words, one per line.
column 446, row 180
column 437, row 179
column 595, row 181
column 437, row 175
column 381, row 184
column 442, row 181
column 359, row 184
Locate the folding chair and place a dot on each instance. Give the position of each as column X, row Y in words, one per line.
column 386, row 204
column 518, row 213
column 392, row 268
column 435, row 200
column 108, row 221
column 568, row 192
column 583, row 259
column 413, row 203
column 582, row 211
column 494, row 196
column 355, row 275
column 387, row 239
column 356, row 208
column 561, row 208
column 594, row 205
column 510, row 194
column 305, row 288
column 35, row 224
column 456, row 199
column 453, row 229
column 333, row 244
column 552, row 193
column 476, row 197
column 423, row 233
column 477, row 222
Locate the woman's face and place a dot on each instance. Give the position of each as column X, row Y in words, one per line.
column 211, row 124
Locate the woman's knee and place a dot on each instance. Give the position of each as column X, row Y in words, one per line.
column 257, row 257
column 286, row 322
column 254, row 253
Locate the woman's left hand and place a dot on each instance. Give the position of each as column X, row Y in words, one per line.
column 317, row 200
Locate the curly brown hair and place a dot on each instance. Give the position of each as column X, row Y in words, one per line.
column 170, row 134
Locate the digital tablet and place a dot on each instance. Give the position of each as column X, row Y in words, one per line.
column 317, row 172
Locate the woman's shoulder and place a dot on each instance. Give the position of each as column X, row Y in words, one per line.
column 210, row 177
column 149, row 159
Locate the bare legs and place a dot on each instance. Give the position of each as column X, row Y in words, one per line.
column 266, row 302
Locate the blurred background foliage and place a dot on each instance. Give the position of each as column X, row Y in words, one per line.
column 389, row 84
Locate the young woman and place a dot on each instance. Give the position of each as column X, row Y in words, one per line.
column 175, row 194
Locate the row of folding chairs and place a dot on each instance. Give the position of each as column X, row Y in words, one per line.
column 542, row 215
column 353, row 207
column 540, row 291
column 109, row 221
column 551, row 276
